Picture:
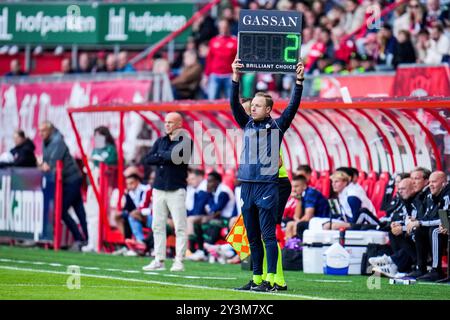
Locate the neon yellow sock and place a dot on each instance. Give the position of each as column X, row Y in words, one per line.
column 264, row 275
column 257, row 279
column 279, row 276
column 271, row 278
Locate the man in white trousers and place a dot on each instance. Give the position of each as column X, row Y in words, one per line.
column 170, row 154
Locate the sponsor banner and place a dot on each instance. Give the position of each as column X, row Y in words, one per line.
column 26, row 204
column 94, row 23
column 376, row 85
column 421, row 81
column 25, row 105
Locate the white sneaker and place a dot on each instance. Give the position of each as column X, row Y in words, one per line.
column 120, row 252
column 198, row 255
column 130, row 253
column 380, row 261
column 389, row 270
column 155, row 265
column 177, row 266
column 88, row 248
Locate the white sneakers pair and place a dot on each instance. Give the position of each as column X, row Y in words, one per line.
column 198, row 255
column 384, row 265
column 157, row 265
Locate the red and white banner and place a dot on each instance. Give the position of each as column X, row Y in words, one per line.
column 361, row 86
column 421, row 81
column 25, row 105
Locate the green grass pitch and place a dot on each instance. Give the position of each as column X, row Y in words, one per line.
column 33, row 273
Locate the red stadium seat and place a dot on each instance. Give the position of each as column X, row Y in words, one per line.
column 361, row 177
column 378, row 191
column 385, row 176
column 314, row 179
column 324, row 183
column 368, row 186
column 372, row 176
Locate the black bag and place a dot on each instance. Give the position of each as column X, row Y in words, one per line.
column 374, row 250
column 292, row 259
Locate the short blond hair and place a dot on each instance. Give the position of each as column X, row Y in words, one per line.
column 341, row 176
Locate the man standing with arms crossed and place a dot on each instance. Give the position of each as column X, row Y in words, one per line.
column 171, row 155
column 258, row 172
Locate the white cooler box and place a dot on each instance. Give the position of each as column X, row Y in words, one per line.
column 316, row 242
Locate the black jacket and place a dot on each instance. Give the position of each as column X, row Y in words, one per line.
column 24, row 154
column 171, row 162
column 257, row 160
column 55, row 149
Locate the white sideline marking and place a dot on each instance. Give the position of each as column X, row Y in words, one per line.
column 65, row 286
column 331, row 281
column 165, row 283
column 118, row 270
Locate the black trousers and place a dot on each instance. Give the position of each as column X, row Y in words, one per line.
column 72, row 198
column 404, row 251
column 284, row 191
column 429, row 241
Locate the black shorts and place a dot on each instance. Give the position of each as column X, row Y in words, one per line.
column 284, row 191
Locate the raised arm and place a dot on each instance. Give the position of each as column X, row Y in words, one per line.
column 237, row 109
column 285, row 120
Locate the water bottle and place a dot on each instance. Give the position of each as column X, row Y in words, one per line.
column 342, row 237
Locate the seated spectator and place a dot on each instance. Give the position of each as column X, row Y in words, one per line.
column 402, row 245
column 136, row 212
column 104, row 147
column 436, row 12
column 420, row 178
column 111, row 63
column 122, row 63
column 84, row 64
column 355, row 15
column 387, row 43
column 356, row 210
column 438, row 45
column 425, row 229
column 304, row 170
column 421, row 45
column 15, row 69
column 186, row 84
column 196, row 200
column 100, row 62
column 311, row 204
column 392, row 197
column 66, row 67
column 22, row 155
column 413, row 20
column 404, row 49
column 353, row 173
column 219, row 209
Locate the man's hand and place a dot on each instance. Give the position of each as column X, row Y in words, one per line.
column 411, row 226
column 442, row 230
column 396, row 229
column 236, row 66
column 300, row 70
column 136, row 214
column 45, row 167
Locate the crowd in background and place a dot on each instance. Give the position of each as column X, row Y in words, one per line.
column 334, row 41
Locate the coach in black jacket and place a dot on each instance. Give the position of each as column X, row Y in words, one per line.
column 171, row 155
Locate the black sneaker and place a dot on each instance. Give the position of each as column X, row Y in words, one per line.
column 264, row 287
column 415, row 274
column 431, row 276
column 249, row 286
column 280, row 288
